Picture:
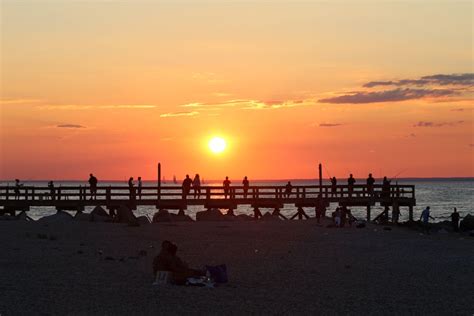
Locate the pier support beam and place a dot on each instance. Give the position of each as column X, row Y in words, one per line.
column 368, row 213
column 410, row 213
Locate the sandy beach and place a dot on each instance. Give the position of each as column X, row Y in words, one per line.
column 274, row 268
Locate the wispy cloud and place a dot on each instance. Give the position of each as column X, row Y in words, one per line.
column 330, row 124
column 247, row 104
column 18, row 101
column 175, row 114
column 361, row 97
column 70, row 126
column 77, row 107
column 466, row 79
column 436, row 124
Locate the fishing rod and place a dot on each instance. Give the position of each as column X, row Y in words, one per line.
column 395, row 176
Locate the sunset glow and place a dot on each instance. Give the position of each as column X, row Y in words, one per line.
column 217, row 145
column 113, row 87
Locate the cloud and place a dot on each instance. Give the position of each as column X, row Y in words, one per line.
column 361, row 97
column 330, row 124
column 466, row 79
column 411, row 135
column 175, row 114
column 70, row 126
column 77, row 107
column 246, row 104
column 433, row 124
column 18, row 101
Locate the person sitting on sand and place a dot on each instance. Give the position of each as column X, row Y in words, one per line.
column 167, row 260
column 455, row 220
column 337, row 217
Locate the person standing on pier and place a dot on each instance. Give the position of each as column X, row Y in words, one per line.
column 197, row 186
column 18, row 185
column 131, row 188
column 245, row 184
column 51, row 190
column 93, row 186
column 370, row 185
column 350, row 182
column 139, row 188
column 187, row 182
column 455, row 220
column 385, row 188
column 226, row 185
column 288, row 188
column 333, row 186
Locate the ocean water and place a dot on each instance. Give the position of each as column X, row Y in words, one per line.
column 442, row 195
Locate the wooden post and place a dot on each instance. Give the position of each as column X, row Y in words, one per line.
column 320, row 177
column 159, row 182
column 368, row 213
column 410, row 213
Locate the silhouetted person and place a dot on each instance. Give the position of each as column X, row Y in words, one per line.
column 385, row 188
column 51, row 190
column 18, row 185
column 131, row 188
column 343, row 211
column 187, row 182
column 425, row 218
column 336, row 216
column 93, row 186
column 197, row 186
column 455, row 220
column 350, row 218
column 167, row 260
column 370, row 185
column 333, row 186
column 226, row 185
column 350, row 182
column 288, row 189
column 139, row 188
column 245, row 184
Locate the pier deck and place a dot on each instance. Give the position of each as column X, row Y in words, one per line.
column 171, row 197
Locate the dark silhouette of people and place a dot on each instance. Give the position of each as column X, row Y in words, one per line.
column 51, row 190
column 288, row 189
column 336, row 217
column 385, row 188
column 130, row 183
column 455, row 220
column 333, row 186
column 226, row 185
column 167, row 260
column 93, row 186
column 370, row 185
column 139, row 188
column 343, row 212
column 187, row 182
column 131, row 188
column 425, row 218
column 350, row 182
column 197, row 186
column 245, row 184
column 18, row 185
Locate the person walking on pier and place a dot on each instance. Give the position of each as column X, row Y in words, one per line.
column 187, row 182
column 226, row 185
column 139, row 188
column 245, row 184
column 370, row 185
column 288, row 189
column 350, row 182
column 333, row 186
column 93, row 186
column 385, row 188
column 197, row 186
column 455, row 220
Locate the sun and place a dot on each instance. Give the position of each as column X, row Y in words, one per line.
column 217, row 145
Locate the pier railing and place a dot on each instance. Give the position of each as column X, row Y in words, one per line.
column 155, row 193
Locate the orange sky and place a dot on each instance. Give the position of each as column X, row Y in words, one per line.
column 115, row 87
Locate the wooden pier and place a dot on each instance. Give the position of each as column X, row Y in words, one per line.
column 76, row 198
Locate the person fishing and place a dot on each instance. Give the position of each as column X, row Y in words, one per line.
column 350, row 182
column 370, row 185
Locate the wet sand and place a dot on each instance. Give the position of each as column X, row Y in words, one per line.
column 274, row 268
